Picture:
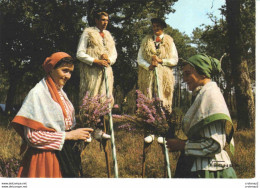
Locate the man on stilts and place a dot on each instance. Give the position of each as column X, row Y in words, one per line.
column 157, row 51
column 97, row 53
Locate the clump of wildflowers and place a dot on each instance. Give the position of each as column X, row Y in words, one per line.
column 129, row 122
column 93, row 109
column 9, row 167
column 153, row 114
column 127, row 127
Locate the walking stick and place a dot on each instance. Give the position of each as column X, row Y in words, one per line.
column 105, row 147
column 164, row 143
column 145, row 150
column 111, row 128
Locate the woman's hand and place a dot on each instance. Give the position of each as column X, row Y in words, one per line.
column 175, row 144
column 79, row 134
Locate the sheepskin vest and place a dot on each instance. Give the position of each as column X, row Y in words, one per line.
column 146, row 78
column 96, row 46
column 92, row 77
column 164, row 51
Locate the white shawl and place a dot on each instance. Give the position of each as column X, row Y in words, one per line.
column 208, row 106
column 39, row 107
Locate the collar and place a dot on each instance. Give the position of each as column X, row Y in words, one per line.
column 96, row 28
column 161, row 36
column 196, row 90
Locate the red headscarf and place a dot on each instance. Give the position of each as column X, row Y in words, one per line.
column 48, row 65
column 51, row 61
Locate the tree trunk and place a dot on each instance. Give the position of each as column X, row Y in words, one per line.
column 243, row 89
column 179, row 88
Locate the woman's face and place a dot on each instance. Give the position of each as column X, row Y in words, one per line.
column 62, row 74
column 191, row 77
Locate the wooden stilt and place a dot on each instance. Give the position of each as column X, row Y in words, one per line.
column 166, row 156
column 145, row 151
column 106, row 150
column 165, row 162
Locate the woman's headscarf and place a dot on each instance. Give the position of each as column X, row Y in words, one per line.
column 51, row 61
column 205, row 65
column 48, row 65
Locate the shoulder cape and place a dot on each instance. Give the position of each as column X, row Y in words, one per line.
column 209, row 106
column 41, row 110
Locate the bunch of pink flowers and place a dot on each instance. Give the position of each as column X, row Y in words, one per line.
column 93, row 109
column 152, row 112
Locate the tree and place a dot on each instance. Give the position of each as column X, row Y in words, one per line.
column 215, row 40
column 185, row 50
column 32, row 30
column 243, row 89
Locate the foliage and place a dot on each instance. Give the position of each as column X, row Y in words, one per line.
column 32, row 31
column 248, row 20
column 182, row 43
column 213, row 39
column 130, row 22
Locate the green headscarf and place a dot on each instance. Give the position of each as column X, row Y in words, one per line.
column 205, row 65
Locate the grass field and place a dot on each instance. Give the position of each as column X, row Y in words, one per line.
column 129, row 150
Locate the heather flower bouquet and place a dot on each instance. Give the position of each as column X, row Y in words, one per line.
column 92, row 110
column 91, row 114
column 153, row 114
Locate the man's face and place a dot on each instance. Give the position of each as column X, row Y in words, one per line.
column 102, row 22
column 157, row 29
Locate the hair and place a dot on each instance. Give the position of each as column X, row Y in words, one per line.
column 64, row 61
column 97, row 15
column 159, row 21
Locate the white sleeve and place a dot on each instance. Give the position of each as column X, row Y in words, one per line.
column 82, row 48
column 172, row 61
column 140, row 60
column 113, row 56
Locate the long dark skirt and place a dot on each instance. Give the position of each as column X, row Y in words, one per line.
column 70, row 160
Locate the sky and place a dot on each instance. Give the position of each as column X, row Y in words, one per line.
column 190, row 14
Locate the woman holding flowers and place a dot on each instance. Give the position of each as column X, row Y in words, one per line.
column 46, row 123
column 207, row 124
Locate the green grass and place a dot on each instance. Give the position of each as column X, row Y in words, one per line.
column 129, row 150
